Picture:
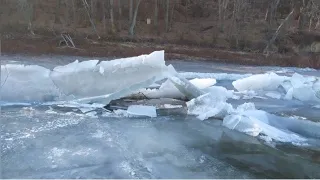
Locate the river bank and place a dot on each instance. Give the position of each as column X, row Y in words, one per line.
column 38, row 45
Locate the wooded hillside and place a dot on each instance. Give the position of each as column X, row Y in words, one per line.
column 257, row 26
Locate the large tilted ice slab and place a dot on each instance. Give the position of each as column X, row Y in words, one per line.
column 87, row 81
column 108, row 76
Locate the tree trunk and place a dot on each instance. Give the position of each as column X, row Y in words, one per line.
column 30, row 15
column 171, row 17
column 167, row 15
column 266, row 50
column 74, row 12
column 104, row 21
column 57, row 13
column 86, row 6
column 67, row 13
column 134, row 19
column 120, row 14
column 91, row 8
column 310, row 23
column 130, row 10
column 113, row 29
column 156, row 14
column 318, row 24
column 220, row 13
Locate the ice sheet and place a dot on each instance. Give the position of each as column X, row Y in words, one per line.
column 87, row 81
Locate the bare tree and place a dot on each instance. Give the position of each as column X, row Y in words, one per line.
column 27, row 7
column 266, row 50
column 156, row 15
column 120, row 14
column 130, row 10
column 134, row 19
column 67, row 14
column 167, row 15
column 58, row 7
column 172, row 14
column 93, row 9
column 104, row 19
column 223, row 4
column 86, row 6
column 271, row 11
column 74, row 12
column 113, row 28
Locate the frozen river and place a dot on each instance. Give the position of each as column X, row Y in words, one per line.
column 43, row 141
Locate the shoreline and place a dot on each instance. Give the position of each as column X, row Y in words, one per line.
column 102, row 48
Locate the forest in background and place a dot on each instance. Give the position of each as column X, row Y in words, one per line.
column 285, row 27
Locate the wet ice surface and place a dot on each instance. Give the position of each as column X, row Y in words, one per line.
column 42, row 145
column 41, row 142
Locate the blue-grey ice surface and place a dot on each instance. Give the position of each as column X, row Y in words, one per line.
column 51, row 142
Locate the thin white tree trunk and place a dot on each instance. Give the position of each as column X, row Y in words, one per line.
column 310, row 23
column 86, row 6
column 266, row 50
column 134, row 19
column 318, row 24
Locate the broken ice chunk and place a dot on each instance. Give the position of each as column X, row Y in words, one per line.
column 185, row 87
column 268, row 81
column 203, row 83
column 304, row 93
column 209, row 105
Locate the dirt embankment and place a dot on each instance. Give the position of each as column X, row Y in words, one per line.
column 38, row 45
